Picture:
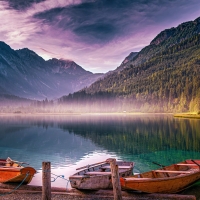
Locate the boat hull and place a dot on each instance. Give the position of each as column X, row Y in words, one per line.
column 94, row 182
column 101, row 180
column 16, row 174
column 166, row 184
column 172, row 185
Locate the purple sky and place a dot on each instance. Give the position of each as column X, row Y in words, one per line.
column 96, row 34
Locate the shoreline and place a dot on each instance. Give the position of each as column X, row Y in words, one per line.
column 35, row 192
column 187, row 115
column 83, row 113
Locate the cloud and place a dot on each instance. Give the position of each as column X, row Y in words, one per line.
column 102, row 21
column 96, row 21
column 22, row 4
column 39, row 5
column 97, row 34
column 15, row 27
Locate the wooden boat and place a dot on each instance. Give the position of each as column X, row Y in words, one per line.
column 98, row 176
column 170, row 179
column 13, row 172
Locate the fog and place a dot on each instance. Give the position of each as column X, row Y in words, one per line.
column 112, row 105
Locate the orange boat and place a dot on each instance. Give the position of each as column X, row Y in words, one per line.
column 170, row 179
column 13, row 172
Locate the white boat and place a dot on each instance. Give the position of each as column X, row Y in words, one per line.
column 98, row 176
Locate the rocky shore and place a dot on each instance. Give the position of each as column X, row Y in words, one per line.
column 26, row 192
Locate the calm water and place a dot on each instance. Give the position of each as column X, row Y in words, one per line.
column 69, row 142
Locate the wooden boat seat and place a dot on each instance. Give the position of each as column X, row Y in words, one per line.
column 97, row 173
column 136, row 179
column 119, row 167
column 7, row 166
column 186, row 164
column 176, row 172
column 77, row 176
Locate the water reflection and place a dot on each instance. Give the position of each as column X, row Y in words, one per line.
column 138, row 134
column 26, row 138
column 71, row 141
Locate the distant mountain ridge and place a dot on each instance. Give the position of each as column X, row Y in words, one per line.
column 166, row 39
column 25, row 74
column 163, row 77
column 183, row 31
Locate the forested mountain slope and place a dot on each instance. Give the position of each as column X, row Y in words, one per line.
column 162, row 77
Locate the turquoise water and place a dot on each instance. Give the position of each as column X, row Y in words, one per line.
column 69, row 142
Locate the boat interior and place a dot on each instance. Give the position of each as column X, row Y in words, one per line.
column 186, row 167
column 105, row 169
column 8, row 163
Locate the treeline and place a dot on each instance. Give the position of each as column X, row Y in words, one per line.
column 42, row 103
column 167, row 82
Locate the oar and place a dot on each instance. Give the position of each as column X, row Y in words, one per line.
column 195, row 162
column 92, row 165
column 158, row 164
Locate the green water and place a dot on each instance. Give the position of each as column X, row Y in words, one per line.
column 69, row 142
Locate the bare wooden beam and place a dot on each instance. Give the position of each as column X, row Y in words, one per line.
column 115, row 179
column 46, row 181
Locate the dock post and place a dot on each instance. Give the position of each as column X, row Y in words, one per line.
column 115, row 179
column 46, row 181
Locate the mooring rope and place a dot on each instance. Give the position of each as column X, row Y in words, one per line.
column 60, row 176
column 53, row 179
column 27, row 174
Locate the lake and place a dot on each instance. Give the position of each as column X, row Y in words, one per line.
column 72, row 141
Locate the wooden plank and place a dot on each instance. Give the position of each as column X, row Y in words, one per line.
column 10, row 167
column 176, row 172
column 97, row 173
column 196, row 163
column 92, row 165
column 137, row 179
column 186, row 164
column 119, row 167
column 77, row 176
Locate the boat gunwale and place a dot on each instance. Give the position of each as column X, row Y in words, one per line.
column 140, row 179
column 82, row 181
column 13, row 169
column 130, row 164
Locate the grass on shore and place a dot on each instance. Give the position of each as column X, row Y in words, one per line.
column 188, row 115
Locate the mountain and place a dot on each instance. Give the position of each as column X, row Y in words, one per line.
column 8, row 102
column 163, row 77
column 126, row 60
column 23, row 73
column 167, row 39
